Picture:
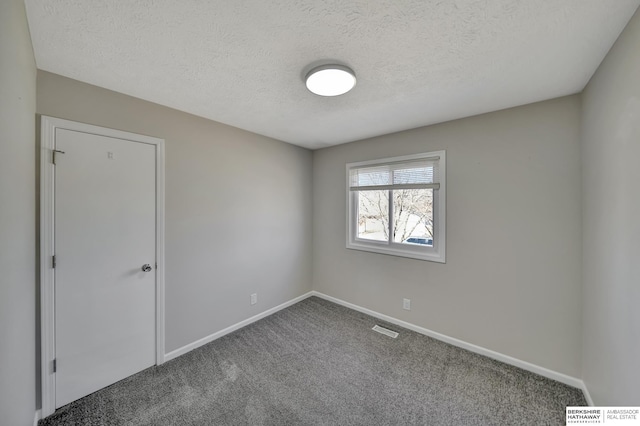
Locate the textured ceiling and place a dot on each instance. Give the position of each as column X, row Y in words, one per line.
column 242, row 62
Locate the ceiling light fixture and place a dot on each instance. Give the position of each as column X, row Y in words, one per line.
column 330, row 80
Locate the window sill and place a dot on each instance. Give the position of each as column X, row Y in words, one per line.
column 433, row 256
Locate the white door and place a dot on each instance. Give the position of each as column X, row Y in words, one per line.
column 105, row 231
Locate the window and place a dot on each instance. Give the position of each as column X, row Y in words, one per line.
column 396, row 206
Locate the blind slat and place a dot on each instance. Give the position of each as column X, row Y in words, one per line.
column 417, row 173
column 399, row 186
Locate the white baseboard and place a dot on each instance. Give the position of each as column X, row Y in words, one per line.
column 587, row 395
column 37, row 417
column 210, row 338
column 554, row 375
column 542, row 371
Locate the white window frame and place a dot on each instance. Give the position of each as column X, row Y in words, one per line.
column 433, row 254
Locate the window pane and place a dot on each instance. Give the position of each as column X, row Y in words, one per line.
column 373, row 215
column 414, row 172
column 370, row 176
column 413, row 216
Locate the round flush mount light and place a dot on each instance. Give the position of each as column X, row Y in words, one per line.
column 331, row 80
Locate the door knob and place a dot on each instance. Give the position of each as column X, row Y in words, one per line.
column 146, row 267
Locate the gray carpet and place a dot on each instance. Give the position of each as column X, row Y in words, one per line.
column 318, row 363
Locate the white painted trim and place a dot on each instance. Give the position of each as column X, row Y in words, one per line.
column 210, row 338
column 47, row 276
column 160, row 301
column 587, row 395
column 542, row 371
column 37, row 417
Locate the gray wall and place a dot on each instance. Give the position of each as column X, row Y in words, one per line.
column 611, row 224
column 238, row 208
column 17, row 218
column 512, row 278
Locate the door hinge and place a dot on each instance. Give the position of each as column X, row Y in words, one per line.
column 53, row 262
column 55, row 365
column 53, row 158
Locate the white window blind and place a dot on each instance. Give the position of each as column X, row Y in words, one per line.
column 410, row 174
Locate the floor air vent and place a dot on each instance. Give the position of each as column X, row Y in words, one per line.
column 385, row 331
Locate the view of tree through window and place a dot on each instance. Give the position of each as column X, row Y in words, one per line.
column 373, row 215
column 412, row 216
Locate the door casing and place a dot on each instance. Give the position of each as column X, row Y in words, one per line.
column 48, row 128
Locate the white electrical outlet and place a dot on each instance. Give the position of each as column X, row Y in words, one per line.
column 254, row 298
column 406, row 304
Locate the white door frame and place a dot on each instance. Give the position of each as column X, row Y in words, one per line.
column 47, row 276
